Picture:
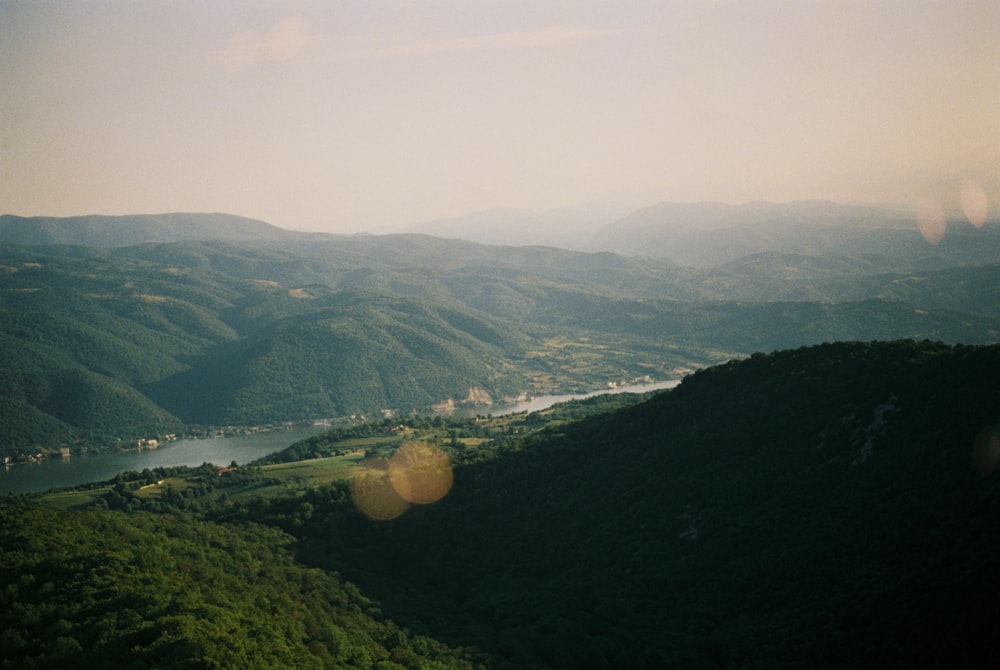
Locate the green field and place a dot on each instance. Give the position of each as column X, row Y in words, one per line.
column 151, row 490
column 73, row 499
column 315, row 471
column 322, row 460
column 277, row 478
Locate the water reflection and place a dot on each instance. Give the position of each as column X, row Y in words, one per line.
column 83, row 468
column 546, row 401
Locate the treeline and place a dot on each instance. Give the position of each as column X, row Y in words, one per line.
column 828, row 506
column 94, row 588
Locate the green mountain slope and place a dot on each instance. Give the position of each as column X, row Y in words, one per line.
column 93, row 589
column 297, row 326
column 832, row 506
column 50, row 400
column 210, row 347
column 353, row 354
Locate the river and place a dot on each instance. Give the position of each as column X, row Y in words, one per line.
column 546, row 401
column 96, row 467
column 84, row 468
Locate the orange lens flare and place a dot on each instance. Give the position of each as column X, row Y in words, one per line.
column 420, row 473
column 373, row 494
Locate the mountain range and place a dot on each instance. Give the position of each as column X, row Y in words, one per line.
column 566, row 228
column 115, row 328
column 709, row 234
column 819, row 490
column 705, row 234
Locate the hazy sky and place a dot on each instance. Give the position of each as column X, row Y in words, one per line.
column 365, row 115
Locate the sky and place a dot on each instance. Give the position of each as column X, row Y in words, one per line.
column 363, row 115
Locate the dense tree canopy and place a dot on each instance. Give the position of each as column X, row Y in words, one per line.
column 828, row 506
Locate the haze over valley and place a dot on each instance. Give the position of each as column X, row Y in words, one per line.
column 499, row 335
column 121, row 326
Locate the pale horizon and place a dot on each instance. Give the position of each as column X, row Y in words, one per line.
column 375, row 116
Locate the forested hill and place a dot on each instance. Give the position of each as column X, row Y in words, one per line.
column 834, row 506
column 238, row 322
column 825, row 507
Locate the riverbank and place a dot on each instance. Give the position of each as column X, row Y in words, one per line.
column 42, row 475
column 223, row 445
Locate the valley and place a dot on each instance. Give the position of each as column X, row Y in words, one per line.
column 223, row 447
column 499, row 336
column 245, row 323
column 805, row 477
column 809, row 506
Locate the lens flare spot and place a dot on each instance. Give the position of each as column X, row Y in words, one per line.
column 373, row 493
column 285, row 39
column 420, row 473
column 986, row 451
column 931, row 220
column 975, row 204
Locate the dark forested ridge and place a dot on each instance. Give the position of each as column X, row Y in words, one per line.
column 832, row 506
column 233, row 321
column 93, row 589
column 828, row 506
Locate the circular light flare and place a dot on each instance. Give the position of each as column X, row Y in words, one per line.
column 975, row 204
column 420, row 473
column 931, row 220
column 373, row 493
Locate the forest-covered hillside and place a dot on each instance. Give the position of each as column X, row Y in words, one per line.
column 106, row 345
column 832, row 506
column 829, row 506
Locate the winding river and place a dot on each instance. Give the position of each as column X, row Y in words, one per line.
column 81, row 469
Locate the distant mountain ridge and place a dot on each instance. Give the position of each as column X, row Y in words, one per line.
column 709, row 234
column 700, row 235
column 124, row 231
column 566, row 228
column 710, row 215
